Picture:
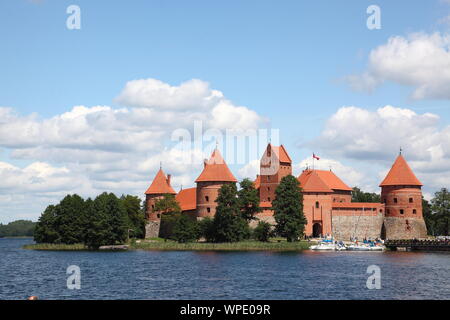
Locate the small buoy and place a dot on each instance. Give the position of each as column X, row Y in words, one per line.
column 32, row 298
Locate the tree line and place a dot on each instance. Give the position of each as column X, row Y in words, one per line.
column 105, row 220
column 18, row 228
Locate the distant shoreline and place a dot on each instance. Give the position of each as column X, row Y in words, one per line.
column 192, row 246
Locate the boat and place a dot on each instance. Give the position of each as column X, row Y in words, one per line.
column 365, row 247
column 328, row 245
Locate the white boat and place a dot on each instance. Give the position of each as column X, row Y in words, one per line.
column 324, row 246
column 365, row 247
column 328, row 245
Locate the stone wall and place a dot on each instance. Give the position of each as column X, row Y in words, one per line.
column 404, row 228
column 362, row 226
column 152, row 229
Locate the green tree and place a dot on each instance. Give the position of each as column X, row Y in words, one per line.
column 186, row 229
column 45, row 231
column 206, row 229
column 428, row 216
column 262, row 231
column 361, row 196
column 288, row 209
column 135, row 215
column 70, row 219
column 18, row 228
column 167, row 204
column 229, row 226
column 440, row 206
column 248, row 200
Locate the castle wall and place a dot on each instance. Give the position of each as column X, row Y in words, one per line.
column 404, row 228
column 207, row 193
column 317, row 209
column 355, row 223
column 152, row 229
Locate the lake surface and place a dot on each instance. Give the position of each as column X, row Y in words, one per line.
column 221, row 275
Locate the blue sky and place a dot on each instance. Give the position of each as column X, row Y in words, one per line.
column 285, row 60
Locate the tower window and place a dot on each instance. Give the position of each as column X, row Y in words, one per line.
column 395, row 200
column 414, row 211
column 410, row 200
column 207, row 198
column 208, row 210
column 268, row 188
column 153, row 206
column 268, row 199
column 387, row 211
column 158, row 215
column 317, row 204
column 401, row 211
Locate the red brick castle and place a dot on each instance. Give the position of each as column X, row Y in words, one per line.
column 326, row 198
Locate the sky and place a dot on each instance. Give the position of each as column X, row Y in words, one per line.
column 103, row 106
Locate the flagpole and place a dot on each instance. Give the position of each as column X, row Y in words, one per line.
column 313, row 161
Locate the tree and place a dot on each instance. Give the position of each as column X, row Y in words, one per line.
column 45, row 231
column 262, row 231
column 228, row 225
column 18, row 228
column 185, row 229
column 70, row 219
column 288, row 209
column 248, row 200
column 440, row 207
column 135, row 215
column 428, row 216
column 167, row 204
column 361, row 196
column 206, row 229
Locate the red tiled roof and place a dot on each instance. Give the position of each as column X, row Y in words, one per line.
column 257, row 182
column 265, row 204
column 400, row 174
column 187, row 198
column 321, row 181
column 216, row 169
column 282, row 154
column 356, row 205
column 311, row 182
column 160, row 185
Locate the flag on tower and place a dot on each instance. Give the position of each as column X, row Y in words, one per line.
column 315, row 157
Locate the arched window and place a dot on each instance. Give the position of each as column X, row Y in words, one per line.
column 414, row 211
column 395, row 200
column 207, row 198
column 317, row 204
column 410, row 200
column 402, row 211
column 208, row 210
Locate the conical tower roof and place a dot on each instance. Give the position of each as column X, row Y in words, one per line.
column 216, row 170
column 160, row 185
column 400, row 174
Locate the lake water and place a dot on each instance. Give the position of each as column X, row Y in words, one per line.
column 221, row 275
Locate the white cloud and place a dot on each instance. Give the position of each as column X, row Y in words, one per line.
column 421, row 61
column 88, row 150
column 376, row 136
column 250, row 170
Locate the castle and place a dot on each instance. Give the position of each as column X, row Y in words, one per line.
column 326, row 199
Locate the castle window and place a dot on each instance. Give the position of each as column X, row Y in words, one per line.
column 268, row 188
column 317, row 204
column 395, row 200
column 158, row 215
column 401, row 211
column 387, row 211
column 268, row 199
column 153, row 206
column 208, row 210
column 207, row 198
column 410, row 200
column 381, row 211
column 414, row 211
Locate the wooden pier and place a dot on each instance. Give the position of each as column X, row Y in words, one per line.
column 418, row 245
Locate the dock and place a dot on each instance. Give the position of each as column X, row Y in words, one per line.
column 418, row 245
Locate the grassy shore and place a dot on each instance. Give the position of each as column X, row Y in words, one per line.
column 161, row 245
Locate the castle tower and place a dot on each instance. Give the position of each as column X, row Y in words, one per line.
column 401, row 192
column 159, row 187
column 215, row 173
column 275, row 164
